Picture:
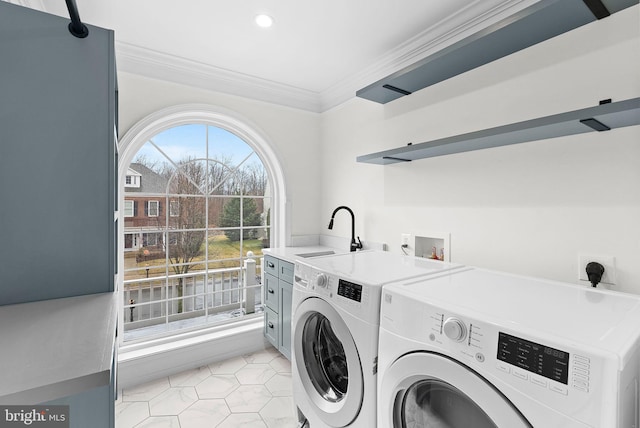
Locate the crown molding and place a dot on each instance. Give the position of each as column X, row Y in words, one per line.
column 158, row 65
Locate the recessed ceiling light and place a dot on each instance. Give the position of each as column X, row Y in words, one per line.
column 264, row 21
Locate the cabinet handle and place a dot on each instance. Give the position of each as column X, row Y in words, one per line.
column 271, row 265
column 270, row 324
column 271, row 291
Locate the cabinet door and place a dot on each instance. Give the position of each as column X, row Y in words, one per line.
column 285, row 271
column 286, row 292
column 271, row 326
column 271, row 265
column 271, row 292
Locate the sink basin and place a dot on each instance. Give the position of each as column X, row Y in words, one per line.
column 316, row 254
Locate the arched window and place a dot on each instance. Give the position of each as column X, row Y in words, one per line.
column 200, row 189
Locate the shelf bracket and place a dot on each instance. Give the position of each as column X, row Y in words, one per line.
column 595, row 124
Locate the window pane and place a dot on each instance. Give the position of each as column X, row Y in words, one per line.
column 153, row 209
column 225, row 143
column 174, row 207
column 185, row 250
column 190, row 215
column 229, row 217
column 179, row 142
column 128, row 208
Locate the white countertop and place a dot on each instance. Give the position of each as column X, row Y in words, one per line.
column 291, row 254
column 56, row 348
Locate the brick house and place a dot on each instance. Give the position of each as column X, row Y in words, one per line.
column 144, row 209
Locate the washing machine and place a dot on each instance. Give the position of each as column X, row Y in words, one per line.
column 336, row 314
column 479, row 349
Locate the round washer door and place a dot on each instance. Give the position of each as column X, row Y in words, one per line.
column 425, row 389
column 327, row 362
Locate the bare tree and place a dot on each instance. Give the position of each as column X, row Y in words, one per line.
column 186, row 218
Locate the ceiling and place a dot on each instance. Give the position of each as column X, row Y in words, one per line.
column 314, row 57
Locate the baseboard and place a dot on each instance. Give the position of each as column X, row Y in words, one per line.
column 144, row 365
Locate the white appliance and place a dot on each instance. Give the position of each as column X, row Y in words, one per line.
column 336, row 313
column 485, row 349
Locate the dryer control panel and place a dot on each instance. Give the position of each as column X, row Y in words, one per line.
column 546, row 365
column 533, row 357
column 555, row 372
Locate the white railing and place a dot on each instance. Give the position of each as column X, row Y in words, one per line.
column 228, row 292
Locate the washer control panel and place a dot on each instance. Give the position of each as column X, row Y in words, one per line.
column 350, row 290
column 361, row 300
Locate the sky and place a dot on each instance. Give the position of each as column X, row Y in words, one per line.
column 191, row 141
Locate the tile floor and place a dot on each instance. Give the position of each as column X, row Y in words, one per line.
column 252, row 391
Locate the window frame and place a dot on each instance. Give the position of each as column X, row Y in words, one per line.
column 228, row 120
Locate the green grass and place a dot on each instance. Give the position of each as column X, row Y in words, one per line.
column 220, row 248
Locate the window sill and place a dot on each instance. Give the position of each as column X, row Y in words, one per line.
column 150, row 360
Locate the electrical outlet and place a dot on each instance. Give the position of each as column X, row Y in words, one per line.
column 609, row 263
column 406, row 237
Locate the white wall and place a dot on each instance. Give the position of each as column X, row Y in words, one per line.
column 530, row 208
column 293, row 133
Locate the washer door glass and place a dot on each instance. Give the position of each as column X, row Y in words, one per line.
column 433, row 403
column 326, row 362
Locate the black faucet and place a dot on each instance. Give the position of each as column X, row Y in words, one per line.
column 354, row 245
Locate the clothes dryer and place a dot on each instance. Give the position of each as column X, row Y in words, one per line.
column 486, row 349
column 336, row 313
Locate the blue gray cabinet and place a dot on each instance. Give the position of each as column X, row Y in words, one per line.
column 57, row 159
column 278, row 289
column 58, row 231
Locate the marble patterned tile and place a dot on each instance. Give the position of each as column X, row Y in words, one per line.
column 250, row 391
column 254, row 374
column 204, row 414
column 217, row 386
column 243, row 420
column 279, row 412
column 229, row 366
column 190, row 377
column 280, row 385
column 173, row 401
column 160, row 422
column 130, row 414
column 264, row 356
column 280, row 364
column 248, row 398
column 146, row 391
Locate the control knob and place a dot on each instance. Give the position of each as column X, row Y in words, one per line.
column 321, row 280
column 455, row 329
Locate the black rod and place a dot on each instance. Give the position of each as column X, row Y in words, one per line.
column 598, row 8
column 396, row 159
column 76, row 27
column 395, row 89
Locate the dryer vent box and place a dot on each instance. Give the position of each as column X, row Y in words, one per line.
column 424, row 246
